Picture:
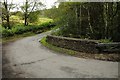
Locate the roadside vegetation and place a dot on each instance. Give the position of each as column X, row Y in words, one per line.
column 19, row 30
column 16, row 37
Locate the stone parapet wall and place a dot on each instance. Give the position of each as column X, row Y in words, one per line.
column 81, row 45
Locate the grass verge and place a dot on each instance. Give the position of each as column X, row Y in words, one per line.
column 101, row 56
column 58, row 49
column 16, row 37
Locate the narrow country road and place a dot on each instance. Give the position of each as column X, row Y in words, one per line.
column 27, row 58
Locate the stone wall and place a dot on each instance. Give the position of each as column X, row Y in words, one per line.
column 82, row 45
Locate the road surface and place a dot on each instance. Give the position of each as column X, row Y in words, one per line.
column 27, row 58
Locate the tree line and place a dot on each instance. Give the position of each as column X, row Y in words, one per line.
column 92, row 20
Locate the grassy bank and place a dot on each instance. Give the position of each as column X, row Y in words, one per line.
column 58, row 49
column 16, row 37
column 101, row 56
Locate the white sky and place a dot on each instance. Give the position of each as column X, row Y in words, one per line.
column 48, row 3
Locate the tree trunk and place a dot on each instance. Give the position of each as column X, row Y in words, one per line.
column 26, row 13
column 80, row 18
column 106, row 19
column 26, row 23
column 76, row 15
column 8, row 21
column 7, row 14
column 90, row 26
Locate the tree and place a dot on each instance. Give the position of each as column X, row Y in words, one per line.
column 6, row 12
column 28, row 7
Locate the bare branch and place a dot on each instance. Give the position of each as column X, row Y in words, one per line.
column 10, row 5
column 33, row 7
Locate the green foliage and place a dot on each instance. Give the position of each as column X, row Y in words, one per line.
column 88, row 20
column 14, row 20
column 7, row 32
column 0, row 31
column 19, row 30
column 17, row 26
column 24, row 29
column 33, row 17
column 104, row 41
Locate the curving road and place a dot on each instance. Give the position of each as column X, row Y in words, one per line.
column 27, row 58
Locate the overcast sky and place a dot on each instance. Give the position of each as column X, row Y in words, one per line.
column 48, row 3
